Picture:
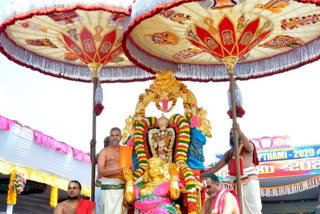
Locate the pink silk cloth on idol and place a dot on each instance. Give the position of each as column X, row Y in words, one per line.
column 161, row 196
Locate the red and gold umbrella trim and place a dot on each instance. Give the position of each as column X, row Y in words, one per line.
column 316, row 2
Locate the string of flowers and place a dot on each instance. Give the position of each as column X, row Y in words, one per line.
column 174, row 102
column 181, row 153
column 12, row 194
column 53, row 197
column 141, row 113
column 181, row 156
column 19, row 181
column 16, row 185
column 140, row 136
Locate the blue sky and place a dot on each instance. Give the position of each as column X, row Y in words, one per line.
column 284, row 104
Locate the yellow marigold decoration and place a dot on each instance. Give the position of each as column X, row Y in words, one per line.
column 12, row 194
column 53, row 197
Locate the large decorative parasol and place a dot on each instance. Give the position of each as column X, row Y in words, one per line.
column 73, row 40
column 192, row 40
column 198, row 39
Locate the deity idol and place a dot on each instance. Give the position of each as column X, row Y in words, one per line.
column 157, row 191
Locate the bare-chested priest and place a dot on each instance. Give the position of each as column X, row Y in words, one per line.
column 110, row 169
column 75, row 204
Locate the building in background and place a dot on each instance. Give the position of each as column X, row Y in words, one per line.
column 46, row 163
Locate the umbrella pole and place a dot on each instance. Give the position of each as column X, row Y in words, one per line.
column 93, row 141
column 95, row 68
column 235, row 139
column 230, row 62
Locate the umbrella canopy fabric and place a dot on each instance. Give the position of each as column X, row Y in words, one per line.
column 316, row 2
column 192, row 37
column 61, row 38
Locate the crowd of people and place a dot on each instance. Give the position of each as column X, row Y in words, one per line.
column 115, row 189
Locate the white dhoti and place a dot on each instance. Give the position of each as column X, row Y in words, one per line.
column 112, row 193
column 97, row 194
column 97, row 197
column 251, row 199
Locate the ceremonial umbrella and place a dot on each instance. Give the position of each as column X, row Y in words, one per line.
column 75, row 40
column 197, row 39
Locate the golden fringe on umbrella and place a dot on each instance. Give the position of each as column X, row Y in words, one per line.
column 12, row 194
column 54, row 197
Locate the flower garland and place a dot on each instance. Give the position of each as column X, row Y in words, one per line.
column 181, row 157
column 19, row 182
column 239, row 112
column 174, row 102
column 53, row 197
column 141, row 113
column 98, row 108
column 140, row 136
column 16, row 186
column 12, row 194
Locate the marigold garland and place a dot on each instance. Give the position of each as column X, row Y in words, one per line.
column 12, row 194
column 53, row 197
